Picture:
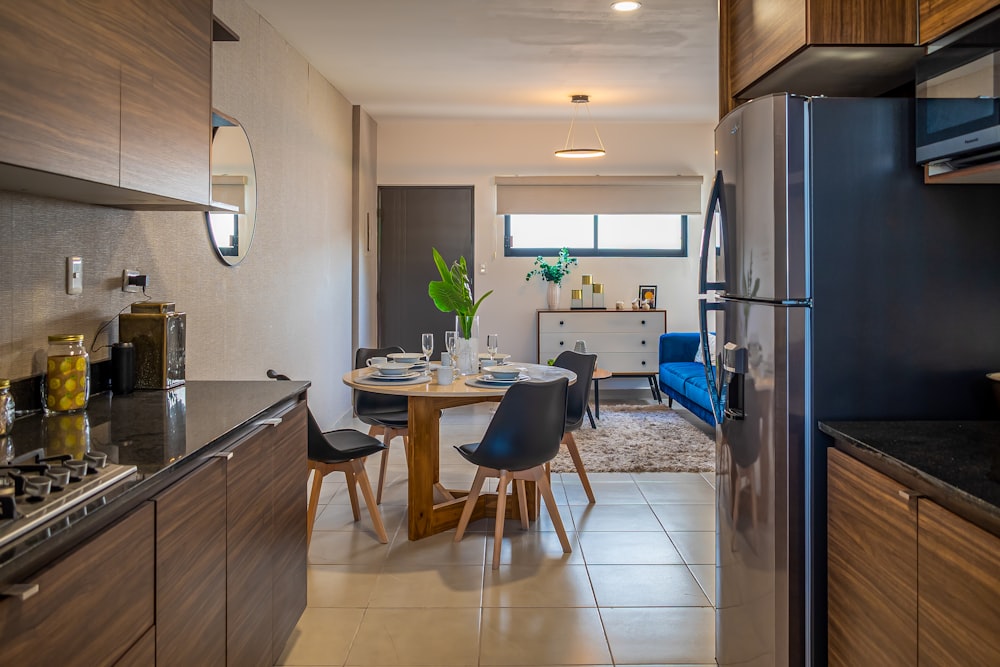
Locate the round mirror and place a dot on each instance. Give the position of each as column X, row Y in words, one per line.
column 234, row 188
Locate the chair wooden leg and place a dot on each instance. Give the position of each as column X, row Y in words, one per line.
column 470, row 503
column 542, row 482
column 383, row 466
column 522, row 503
column 352, row 491
column 501, row 511
column 374, row 431
column 317, row 486
column 366, row 490
column 574, row 453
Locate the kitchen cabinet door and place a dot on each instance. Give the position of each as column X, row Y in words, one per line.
column 191, row 569
column 166, row 100
column 959, row 607
column 290, row 474
column 59, row 83
column 939, row 17
column 91, row 605
column 872, row 567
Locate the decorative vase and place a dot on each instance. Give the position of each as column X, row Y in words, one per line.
column 553, row 296
column 467, row 346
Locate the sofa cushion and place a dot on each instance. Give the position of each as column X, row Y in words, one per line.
column 677, row 373
column 696, row 389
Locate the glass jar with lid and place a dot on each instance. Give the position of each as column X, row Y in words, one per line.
column 67, row 376
column 6, row 407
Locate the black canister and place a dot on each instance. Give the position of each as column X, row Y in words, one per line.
column 122, row 368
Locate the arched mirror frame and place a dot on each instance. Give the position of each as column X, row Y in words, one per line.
column 234, row 187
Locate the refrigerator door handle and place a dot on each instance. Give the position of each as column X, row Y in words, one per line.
column 715, row 205
column 716, row 394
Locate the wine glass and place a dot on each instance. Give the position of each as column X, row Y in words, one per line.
column 492, row 345
column 427, row 344
column 449, row 344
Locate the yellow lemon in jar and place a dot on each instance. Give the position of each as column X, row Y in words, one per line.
column 52, row 365
column 80, row 399
column 70, row 384
column 65, row 366
column 51, row 401
column 65, row 403
column 81, row 364
column 55, row 383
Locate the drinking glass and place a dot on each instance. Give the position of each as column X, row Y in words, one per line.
column 492, row 345
column 449, row 344
column 427, row 344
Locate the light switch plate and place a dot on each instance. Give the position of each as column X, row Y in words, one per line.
column 74, row 275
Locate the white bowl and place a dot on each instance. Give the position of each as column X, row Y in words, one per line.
column 393, row 368
column 405, row 357
column 503, row 372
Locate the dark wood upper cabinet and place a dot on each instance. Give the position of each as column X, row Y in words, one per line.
column 939, row 17
column 815, row 47
column 107, row 102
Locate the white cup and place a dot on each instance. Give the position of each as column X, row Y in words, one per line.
column 375, row 361
column 446, row 375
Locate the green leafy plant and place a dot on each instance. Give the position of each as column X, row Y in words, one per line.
column 553, row 273
column 453, row 293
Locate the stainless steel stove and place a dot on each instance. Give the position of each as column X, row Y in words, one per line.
column 35, row 489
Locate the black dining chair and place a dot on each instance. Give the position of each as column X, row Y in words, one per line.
column 385, row 414
column 522, row 437
column 576, row 406
column 343, row 450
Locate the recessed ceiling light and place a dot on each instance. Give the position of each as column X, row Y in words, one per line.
column 625, row 5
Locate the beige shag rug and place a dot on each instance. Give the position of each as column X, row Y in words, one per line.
column 640, row 438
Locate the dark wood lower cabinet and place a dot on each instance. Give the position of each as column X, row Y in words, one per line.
column 191, row 569
column 92, row 604
column 959, row 590
column 872, row 567
column 142, row 653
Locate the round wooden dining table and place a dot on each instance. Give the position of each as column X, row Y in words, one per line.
column 426, row 400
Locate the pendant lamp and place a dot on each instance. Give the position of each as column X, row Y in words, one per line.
column 570, row 150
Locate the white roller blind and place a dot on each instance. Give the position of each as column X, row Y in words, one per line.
column 598, row 194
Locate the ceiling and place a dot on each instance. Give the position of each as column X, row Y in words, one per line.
column 510, row 59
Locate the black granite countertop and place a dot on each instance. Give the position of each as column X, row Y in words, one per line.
column 163, row 433
column 956, row 464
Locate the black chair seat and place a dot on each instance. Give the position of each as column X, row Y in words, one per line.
column 390, row 419
column 343, row 445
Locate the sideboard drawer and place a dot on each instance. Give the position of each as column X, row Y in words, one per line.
column 611, row 321
column 624, row 341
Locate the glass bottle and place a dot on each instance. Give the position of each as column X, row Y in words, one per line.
column 67, row 374
column 6, row 407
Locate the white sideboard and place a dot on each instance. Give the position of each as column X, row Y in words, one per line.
column 626, row 342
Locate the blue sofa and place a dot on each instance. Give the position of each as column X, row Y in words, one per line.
column 681, row 378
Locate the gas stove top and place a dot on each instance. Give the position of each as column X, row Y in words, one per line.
column 35, row 489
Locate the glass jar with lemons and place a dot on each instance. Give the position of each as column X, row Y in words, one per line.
column 67, row 374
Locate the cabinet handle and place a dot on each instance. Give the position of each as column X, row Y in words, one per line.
column 20, row 591
column 909, row 494
column 222, row 455
column 643, row 342
column 644, row 322
column 272, row 421
column 560, row 322
column 560, row 343
column 643, row 362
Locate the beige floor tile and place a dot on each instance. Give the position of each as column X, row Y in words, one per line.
column 679, row 477
column 617, row 518
column 337, row 516
column 696, row 548
column 440, row 549
column 606, row 493
column 538, row 636
column 534, row 547
column 667, row 635
column 705, row 574
column 629, row 549
column 438, row 637
column 710, row 478
column 659, row 493
column 646, row 586
column 341, row 585
column 544, row 585
column 686, row 517
column 333, row 547
column 322, row 637
column 447, row 586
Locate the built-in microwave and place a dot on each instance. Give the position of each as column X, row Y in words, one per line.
column 958, row 97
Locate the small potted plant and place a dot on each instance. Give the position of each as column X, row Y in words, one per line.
column 453, row 293
column 553, row 274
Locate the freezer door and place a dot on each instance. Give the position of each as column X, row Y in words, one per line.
column 761, row 152
column 760, row 584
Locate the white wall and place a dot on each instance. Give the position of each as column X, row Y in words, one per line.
column 427, row 152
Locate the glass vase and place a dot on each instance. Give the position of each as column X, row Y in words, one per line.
column 467, row 344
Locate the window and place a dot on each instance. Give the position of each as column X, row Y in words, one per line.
column 603, row 235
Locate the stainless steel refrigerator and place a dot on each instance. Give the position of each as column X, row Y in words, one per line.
column 839, row 287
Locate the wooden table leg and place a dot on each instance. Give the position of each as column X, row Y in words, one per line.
column 422, row 464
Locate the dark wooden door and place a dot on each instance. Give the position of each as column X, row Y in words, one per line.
column 414, row 219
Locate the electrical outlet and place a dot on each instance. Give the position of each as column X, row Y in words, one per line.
column 126, row 285
column 74, row 275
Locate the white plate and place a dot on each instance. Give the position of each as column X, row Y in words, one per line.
column 396, row 381
column 489, row 379
column 403, row 376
